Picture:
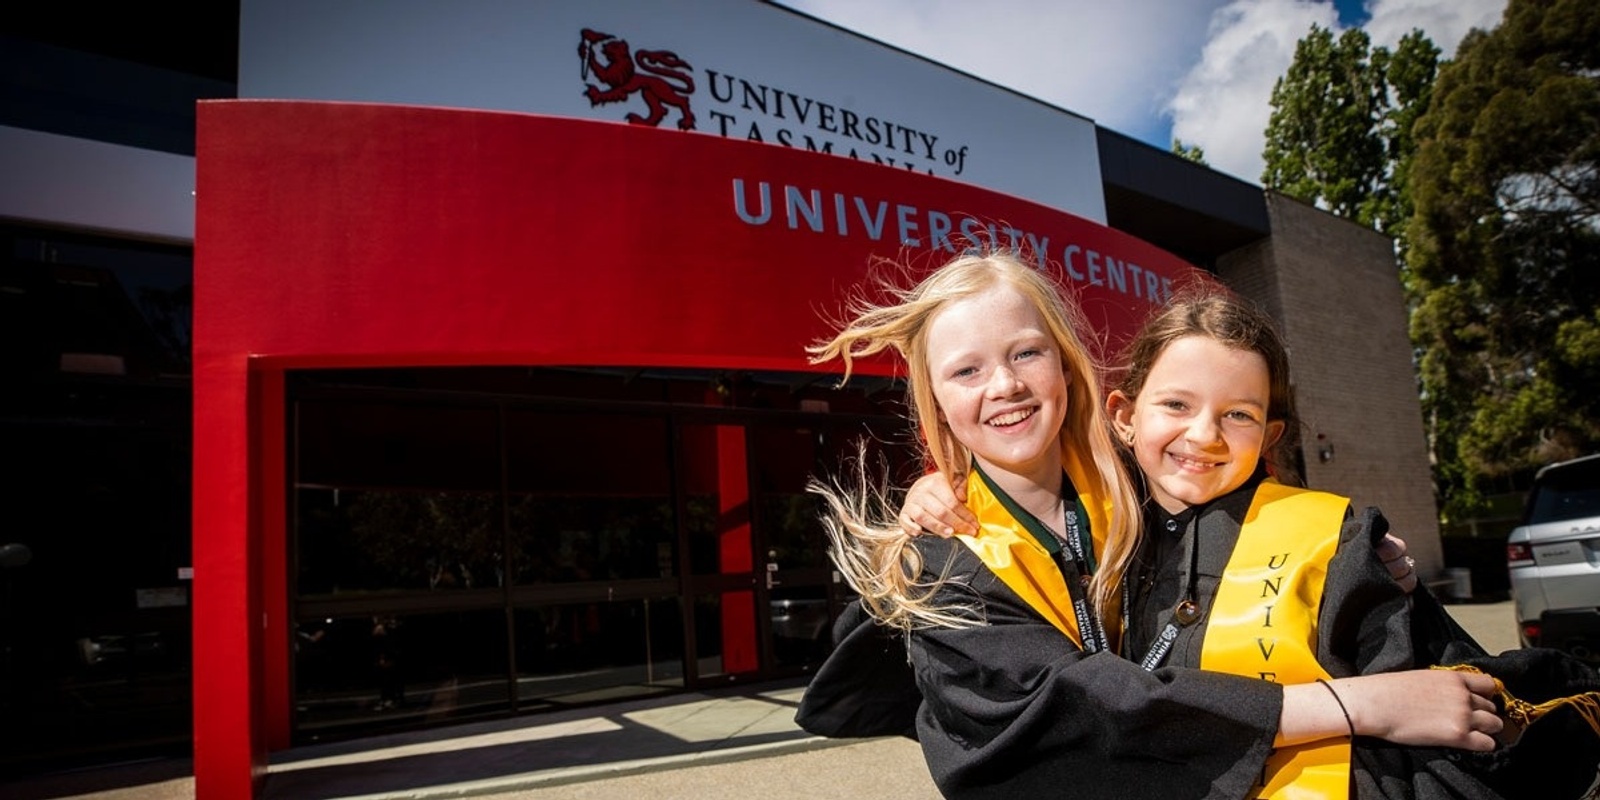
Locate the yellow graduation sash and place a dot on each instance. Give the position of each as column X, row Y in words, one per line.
column 1263, row 622
column 1019, row 561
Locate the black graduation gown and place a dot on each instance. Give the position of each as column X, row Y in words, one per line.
column 1011, row 708
column 1369, row 625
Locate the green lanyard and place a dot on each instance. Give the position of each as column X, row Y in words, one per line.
column 1075, row 560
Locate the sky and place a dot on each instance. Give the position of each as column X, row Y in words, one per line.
column 1198, row 70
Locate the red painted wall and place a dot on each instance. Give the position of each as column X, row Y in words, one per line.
column 338, row 234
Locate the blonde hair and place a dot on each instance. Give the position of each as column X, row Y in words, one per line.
column 868, row 547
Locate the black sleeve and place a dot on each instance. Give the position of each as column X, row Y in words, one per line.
column 1556, row 758
column 1369, row 626
column 1560, row 751
column 1012, row 707
column 865, row 687
column 1365, row 622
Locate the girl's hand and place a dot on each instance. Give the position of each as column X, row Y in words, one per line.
column 1403, row 568
column 1428, row 707
column 1420, row 707
column 934, row 506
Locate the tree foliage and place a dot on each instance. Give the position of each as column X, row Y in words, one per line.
column 1192, row 152
column 1340, row 132
column 1504, row 255
column 1485, row 171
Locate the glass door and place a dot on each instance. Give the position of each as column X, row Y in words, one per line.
column 398, row 573
column 593, row 555
column 796, row 575
column 714, row 499
column 803, row 593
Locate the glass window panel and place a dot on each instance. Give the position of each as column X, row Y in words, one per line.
column 725, row 633
column 801, row 624
column 715, row 480
column 94, row 618
column 379, row 669
column 700, row 523
column 125, row 304
column 708, row 636
column 591, row 497
column 589, row 652
column 789, row 517
column 354, row 540
column 571, row 539
column 569, row 452
column 787, row 457
column 389, row 445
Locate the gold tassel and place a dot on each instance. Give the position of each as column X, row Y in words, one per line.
column 1525, row 713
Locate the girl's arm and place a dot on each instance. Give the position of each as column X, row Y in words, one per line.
column 932, row 505
column 1422, row 707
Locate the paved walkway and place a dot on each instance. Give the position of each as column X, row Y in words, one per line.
column 525, row 753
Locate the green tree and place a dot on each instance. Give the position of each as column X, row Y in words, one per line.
column 1504, row 254
column 1340, row 135
column 1192, row 152
column 1322, row 144
column 1409, row 74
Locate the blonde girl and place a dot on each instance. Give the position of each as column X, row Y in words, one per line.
column 877, row 557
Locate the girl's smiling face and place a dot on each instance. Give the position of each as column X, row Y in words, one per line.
column 1199, row 423
column 999, row 382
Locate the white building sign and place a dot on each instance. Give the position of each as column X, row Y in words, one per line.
column 740, row 69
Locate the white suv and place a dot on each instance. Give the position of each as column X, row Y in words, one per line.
column 1554, row 559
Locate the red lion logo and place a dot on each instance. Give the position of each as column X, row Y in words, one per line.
column 669, row 82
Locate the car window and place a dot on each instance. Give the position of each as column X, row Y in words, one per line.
column 1565, row 494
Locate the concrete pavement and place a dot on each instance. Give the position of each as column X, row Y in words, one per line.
column 1494, row 625
column 691, row 745
column 880, row 769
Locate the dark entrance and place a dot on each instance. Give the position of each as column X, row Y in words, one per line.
column 94, row 483
column 487, row 541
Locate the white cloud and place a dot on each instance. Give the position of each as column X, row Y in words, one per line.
column 1446, row 23
column 1224, row 102
column 1111, row 62
column 1204, row 66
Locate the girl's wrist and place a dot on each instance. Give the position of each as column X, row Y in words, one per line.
column 1350, row 724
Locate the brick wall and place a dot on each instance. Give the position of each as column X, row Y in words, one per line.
column 1334, row 287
